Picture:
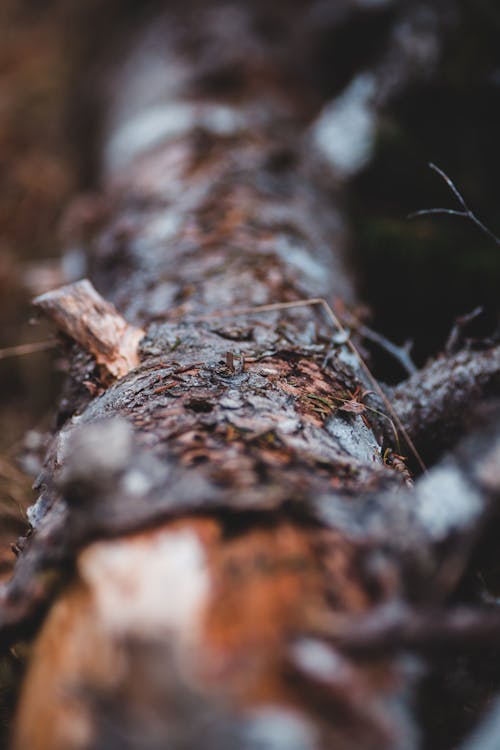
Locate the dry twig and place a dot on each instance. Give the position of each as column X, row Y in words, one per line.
column 465, row 212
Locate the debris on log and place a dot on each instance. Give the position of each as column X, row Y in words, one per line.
column 83, row 315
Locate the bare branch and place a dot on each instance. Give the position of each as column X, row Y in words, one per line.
column 466, row 212
column 434, row 402
column 460, row 323
column 400, row 353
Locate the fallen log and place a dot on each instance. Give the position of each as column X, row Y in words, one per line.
column 224, row 490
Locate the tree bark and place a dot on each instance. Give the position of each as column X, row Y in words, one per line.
column 221, row 499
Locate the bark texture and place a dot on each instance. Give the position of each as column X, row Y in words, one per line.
column 224, row 509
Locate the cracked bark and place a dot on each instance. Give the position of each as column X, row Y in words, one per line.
column 216, row 507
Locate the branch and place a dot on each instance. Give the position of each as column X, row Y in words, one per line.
column 388, row 630
column 83, row 315
column 400, row 353
column 465, row 213
column 434, row 402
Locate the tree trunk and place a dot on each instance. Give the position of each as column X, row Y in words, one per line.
column 226, row 491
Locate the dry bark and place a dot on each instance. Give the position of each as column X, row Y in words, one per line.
column 222, row 508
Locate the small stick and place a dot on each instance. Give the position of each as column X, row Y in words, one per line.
column 80, row 312
column 336, row 322
column 465, row 213
column 400, row 353
column 23, row 349
column 460, row 323
column 165, row 387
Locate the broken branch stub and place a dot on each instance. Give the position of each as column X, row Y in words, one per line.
column 80, row 312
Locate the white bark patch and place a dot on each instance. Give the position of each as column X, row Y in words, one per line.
column 98, row 450
column 354, row 437
column 162, row 122
column 302, row 259
column 277, row 728
column 346, row 355
column 445, row 501
column 320, row 660
column 162, row 227
column 149, row 584
column 137, row 482
column 345, row 130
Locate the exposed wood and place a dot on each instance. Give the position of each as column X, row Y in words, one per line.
column 82, row 314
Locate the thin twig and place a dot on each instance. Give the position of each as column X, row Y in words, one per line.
column 23, row 349
column 336, row 322
column 400, row 353
column 465, row 213
column 460, row 323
